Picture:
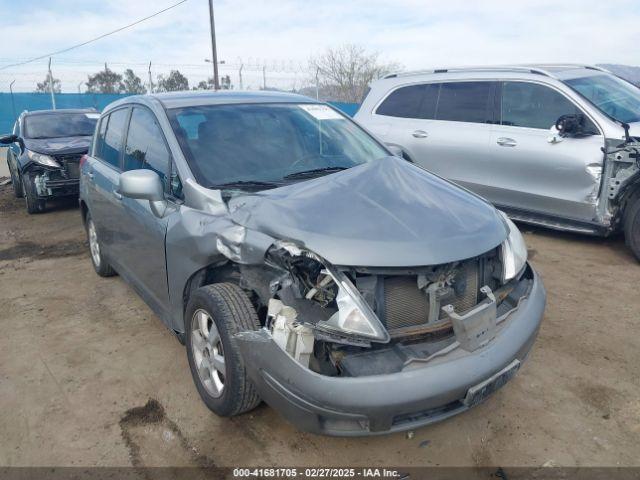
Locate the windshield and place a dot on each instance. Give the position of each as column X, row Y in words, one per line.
column 60, row 125
column 264, row 145
column 612, row 95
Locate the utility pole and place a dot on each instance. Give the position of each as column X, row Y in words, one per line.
column 53, row 98
column 317, row 84
column 240, row 75
column 13, row 103
column 150, row 82
column 79, row 85
column 264, row 77
column 214, row 53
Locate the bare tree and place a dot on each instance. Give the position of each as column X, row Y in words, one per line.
column 344, row 73
column 43, row 87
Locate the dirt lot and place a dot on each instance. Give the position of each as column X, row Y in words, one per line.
column 89, row 376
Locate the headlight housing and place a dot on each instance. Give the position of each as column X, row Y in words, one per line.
column 42, row 159
column 354, row 317
column 514, row 252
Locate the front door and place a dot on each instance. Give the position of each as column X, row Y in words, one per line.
column 533, row 169
column 140, row 244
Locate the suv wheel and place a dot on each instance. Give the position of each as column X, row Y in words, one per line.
column 632, row 226
column 100, row 265
column 215, row 313
column 15, row 183
column 34, row 204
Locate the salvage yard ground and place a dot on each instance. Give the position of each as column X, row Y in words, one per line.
column 90, row 376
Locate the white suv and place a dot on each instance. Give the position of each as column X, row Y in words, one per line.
column 553, row 145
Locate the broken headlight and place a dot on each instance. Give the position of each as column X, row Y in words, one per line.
column 42, row 159
column 513, row 252
column 319, row 282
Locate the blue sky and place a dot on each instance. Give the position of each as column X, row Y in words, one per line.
column 283, row 34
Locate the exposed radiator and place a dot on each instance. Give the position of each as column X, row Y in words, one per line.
column 405, row 305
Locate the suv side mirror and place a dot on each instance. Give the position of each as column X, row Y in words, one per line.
column 144, row 185
column 573, row 126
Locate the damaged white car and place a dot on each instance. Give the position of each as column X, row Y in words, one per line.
column 305, row 265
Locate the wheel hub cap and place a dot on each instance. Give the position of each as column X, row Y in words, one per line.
column 208, row 353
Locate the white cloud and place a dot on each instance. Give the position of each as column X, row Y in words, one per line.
column 416, row 33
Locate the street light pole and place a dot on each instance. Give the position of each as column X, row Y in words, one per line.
column 216, row 83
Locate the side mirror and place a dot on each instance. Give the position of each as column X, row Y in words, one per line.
column 573, row 126
column 8, row 139
column 144, row 185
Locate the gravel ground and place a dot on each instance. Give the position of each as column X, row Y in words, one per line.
column 89, row 376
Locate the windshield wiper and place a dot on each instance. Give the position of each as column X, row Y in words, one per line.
column 246, row 184
column 313, row 172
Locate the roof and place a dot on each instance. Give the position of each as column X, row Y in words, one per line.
column 58, row 111
column 191, row 98
column 549, row 70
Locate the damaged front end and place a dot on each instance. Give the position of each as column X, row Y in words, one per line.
column 359, row 321
column 53, row 175
column 621, row 180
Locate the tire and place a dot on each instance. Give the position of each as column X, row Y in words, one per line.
column 632, row 226
column 16, row 183
column 34, row 204
column 100, row 265
column 227, row 308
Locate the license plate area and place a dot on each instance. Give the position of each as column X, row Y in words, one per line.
column 481, row 391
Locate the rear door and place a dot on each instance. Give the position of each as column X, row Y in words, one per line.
column 534, row 170
column 443, row 127
column 103, row 178
column 141, row 243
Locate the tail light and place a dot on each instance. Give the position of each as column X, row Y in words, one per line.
column 83, row 159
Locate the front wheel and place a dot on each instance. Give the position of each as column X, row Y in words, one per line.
column 33, row 203
column 215, row 313
column 632, row 226
column 15, row 183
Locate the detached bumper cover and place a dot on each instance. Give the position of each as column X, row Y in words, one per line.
column 419, row 395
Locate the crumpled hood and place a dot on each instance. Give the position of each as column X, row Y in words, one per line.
column 386, row 213
column 58, row 146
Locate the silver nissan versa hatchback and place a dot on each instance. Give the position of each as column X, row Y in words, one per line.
column 303, row 264
column 553, row 145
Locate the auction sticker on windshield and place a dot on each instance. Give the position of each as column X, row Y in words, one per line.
column 321, row 112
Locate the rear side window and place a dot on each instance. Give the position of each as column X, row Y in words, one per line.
column 114, row 137
column 465, row 102
column 404, row 102
column 414, row 101
column 99, row 138
column 533, row 106
column 145, row 144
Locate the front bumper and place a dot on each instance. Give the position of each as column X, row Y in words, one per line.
column 377, row 404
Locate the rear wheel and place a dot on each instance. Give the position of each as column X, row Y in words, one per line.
column 632, row 226
column 100, row 265
column 215, row 313
column 33, row 203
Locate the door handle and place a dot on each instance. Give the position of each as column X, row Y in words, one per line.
column 506, row 142
column 117, row 194
column 420, row 134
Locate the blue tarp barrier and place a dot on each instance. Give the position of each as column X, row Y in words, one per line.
column 42, row 101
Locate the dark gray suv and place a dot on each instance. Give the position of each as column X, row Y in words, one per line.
column 303, row 264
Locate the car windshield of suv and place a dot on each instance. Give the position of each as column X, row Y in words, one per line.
column 613, row 96
column 259, row 146
column 59, row 125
